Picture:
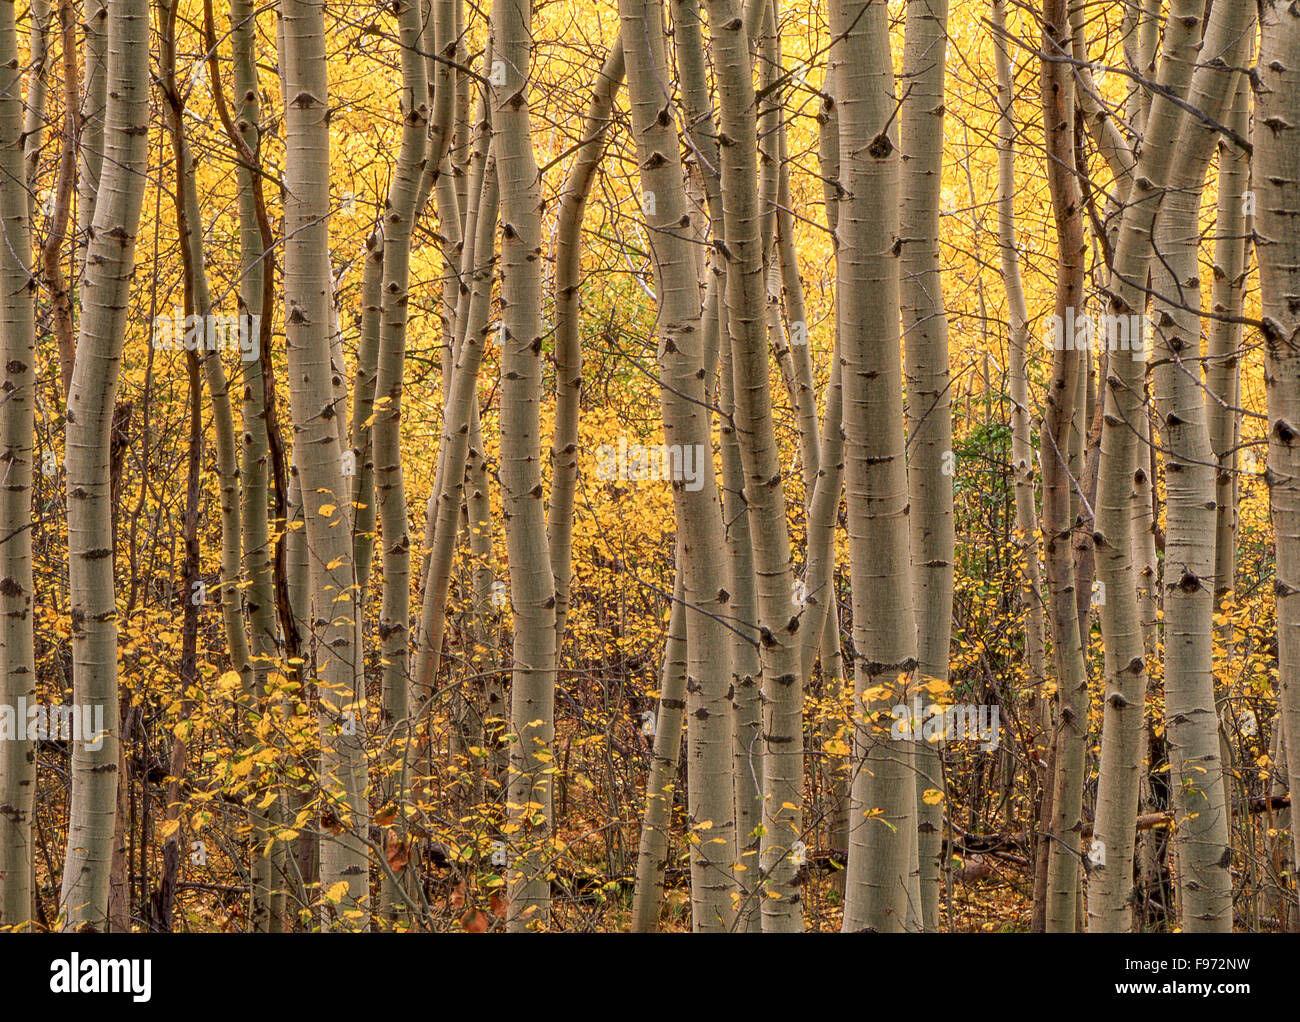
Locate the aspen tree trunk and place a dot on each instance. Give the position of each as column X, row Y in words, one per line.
column 805, row 395
column 883, row 803
column 746, row 711
column 1192, row 725
column 297, row 580
column 746, row 663
column 390, row 485
column 1109, row 857
column 1031, row 593
column 105, row 302
column 18, row 348
column 485, row 621
column 363, row 408
column 471, row 331
column 318, row 456
column 1232, row 228
column 764, row 490
column 1223, row 376
column 1062, row 827
column 52, row 271
column 824, row 508
column 33, row 124
column 455, row 321
column 1277, row 177
column 532, row 586
column 711, row 812
column 1146, row 568
column 568, row 347
column 91, row 140
column 477, row 270
column 929, row 403
column 442, row 39
column 1032, row 597
column 266, row 911
column 821, row 450
column 661, row 784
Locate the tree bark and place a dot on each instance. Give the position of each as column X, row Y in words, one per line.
column 105, row 299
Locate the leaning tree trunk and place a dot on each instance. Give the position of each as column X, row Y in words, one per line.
column 665, row 754
column 105, row 300
column 568, row 347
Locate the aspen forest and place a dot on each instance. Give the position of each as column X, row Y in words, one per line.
column 649, row 465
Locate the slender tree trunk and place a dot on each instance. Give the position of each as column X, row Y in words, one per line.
column 1233, row 227
column 746, row 664
column 91, row 139
column 568, row 347
column 66, row 181
column 390, row 485
column 1031, row 594
column 363, row 411
column 532, row 586
column 929, row 401
column 38, row 66
column 344, row 863
column 17, row 451
column 267, row 894
column 1063, row 825
column 1277, row 176
column 105, row 300
column 661, row 785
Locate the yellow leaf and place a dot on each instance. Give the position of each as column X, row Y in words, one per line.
column 337, row 892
